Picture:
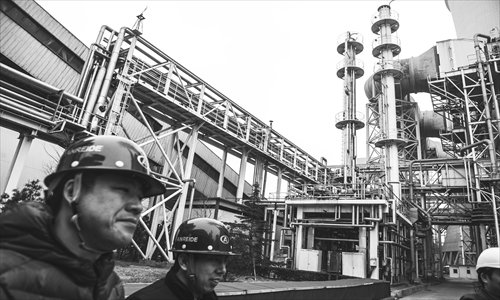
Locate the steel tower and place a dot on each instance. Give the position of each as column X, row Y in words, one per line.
column 349, row 69
column 385, row 48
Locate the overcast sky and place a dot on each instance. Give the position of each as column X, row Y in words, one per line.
column 276, row 59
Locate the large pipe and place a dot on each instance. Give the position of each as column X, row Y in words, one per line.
column 415, row 70
column 28, row 113
column 106, row 83
column 83, row 81
column 38, row 84
column 330, row 225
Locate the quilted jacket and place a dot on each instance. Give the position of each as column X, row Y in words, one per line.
column 35, row 265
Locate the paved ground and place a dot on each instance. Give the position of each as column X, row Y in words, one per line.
column 452, row 289
column 344, row 286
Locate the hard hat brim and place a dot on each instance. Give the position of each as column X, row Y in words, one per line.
column 152, row 186
column 206, row 252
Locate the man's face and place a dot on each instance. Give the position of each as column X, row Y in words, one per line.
column 209, row 270
column 109, row 211
column 492, row 284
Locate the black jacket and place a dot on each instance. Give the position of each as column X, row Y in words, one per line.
column 480, row 294
column 168, row 288
column 34, row 265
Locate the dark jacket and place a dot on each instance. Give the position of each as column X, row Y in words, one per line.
column 480, row 294
column 33, row 264
column 168, row 288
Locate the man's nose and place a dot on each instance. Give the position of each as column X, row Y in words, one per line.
column 134, row 206
column 222, row 268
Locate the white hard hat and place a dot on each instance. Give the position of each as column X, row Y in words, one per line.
column 489, row 258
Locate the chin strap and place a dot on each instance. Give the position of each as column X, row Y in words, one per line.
column 83, row 245
column 191, row 276
column 77, row 188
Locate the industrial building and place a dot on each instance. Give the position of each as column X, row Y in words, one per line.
column 428, row 194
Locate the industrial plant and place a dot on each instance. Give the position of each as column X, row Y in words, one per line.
column 426, row 197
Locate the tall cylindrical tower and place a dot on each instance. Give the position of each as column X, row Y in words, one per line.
column 385, row 47
column 349, row 69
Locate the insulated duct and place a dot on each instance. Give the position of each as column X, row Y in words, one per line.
column 415, row 73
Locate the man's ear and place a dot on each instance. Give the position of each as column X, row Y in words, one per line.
column 183, row 261
column 484, row 277
column 72, row 188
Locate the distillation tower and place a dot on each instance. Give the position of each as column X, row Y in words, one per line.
column 385, row 47
column 349, row 69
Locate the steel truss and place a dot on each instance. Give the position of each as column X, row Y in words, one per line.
column 408, row 130
column 131, row 88
column 467, row 98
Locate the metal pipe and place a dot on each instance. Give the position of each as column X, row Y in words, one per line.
column 34, row 101
column 87, row 65
column 328, row 225
column 394, row 243
column 86, row 95
column 192, row 182
column 42, row 86
column 28, row 113
column 82, row 81
column 111, row 66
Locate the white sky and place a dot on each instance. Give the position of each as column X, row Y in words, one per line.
column 276, row 59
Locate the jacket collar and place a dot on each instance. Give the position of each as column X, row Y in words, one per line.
column 28, row 229
column 181, row 290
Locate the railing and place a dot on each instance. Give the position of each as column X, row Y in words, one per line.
column 189, row 91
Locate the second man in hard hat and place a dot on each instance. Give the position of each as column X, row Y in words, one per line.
column 201, row 248
column 488, row 275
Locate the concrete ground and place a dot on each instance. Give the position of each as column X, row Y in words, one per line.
column 450, row 289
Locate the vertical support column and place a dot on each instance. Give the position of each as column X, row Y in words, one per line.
column 17, row 165
column 169, row 78
column 200, row 99
column 412, row 256
column 241, row 178
column 273, row 233
column 310, row 238
column 440, row 251
column 179, row 214
column 275, row 216
column 220, row 185
column 249, row 126
column 258, row 170
column 373, row 250
column 282, row 148
column 362, row 240
column 299, row 234
column 264, row 181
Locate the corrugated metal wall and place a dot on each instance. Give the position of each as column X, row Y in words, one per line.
column 54, row 27
column 20, row 47
column 32, row 56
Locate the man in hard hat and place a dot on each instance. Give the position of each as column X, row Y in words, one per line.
column 488, row 274
column 201, row 248
column 64, row 249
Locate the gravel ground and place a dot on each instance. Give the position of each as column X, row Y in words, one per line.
column 140, row 273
